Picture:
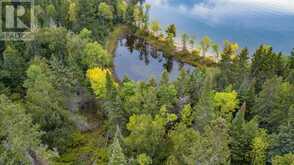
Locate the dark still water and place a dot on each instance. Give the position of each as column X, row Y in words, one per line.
column 247, row 22
column 139, row 61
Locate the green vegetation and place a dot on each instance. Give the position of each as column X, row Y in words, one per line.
column 60, row 105
column 178, row 51
column 112, row 39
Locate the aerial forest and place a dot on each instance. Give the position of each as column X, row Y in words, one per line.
column 62, row 104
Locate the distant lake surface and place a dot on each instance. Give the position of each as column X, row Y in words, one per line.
column 139, row 61
column 247, row 22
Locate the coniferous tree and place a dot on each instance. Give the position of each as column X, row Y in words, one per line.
column 286, row 159
column 182, row 83
column 205, row 107
column 186, row 115
column 167, row 91
column 273, row 103
column 117, row 156
column 228, row 65
column 185, row 39
column 242, row 134
column 13, row 68
column 171, row 29
column 149, row 137
column 243, row 66
column 283, row 140
column 47, row 106
column 290, row 76
column 186, row 146
column 265, row 65
column 291, row 60
column 204, row 111
column 217, row 135
column 20, row 137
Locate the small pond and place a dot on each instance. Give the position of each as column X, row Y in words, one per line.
column 139, row 61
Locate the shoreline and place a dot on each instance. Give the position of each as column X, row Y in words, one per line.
column 175, row 51
column 111, row 45
column 172, row 51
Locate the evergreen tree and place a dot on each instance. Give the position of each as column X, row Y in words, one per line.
column 12, row 68
column 117, row 156
column 167, row 91
column 243, row 67
column 217, row 135
column 265, row 65
column 205, row 107
column 273, row 103
column 182, row 83
column 242, row 134
column 47, row 106
column 283, row 140
column 185, row 39
column 290, row 76
column 19, row 136
column 186, row 115
column 186, row 146
column 197, row 82
column 149, row 137
column 291, row 60
column 229, row 65
column 172, row 29
column 286, row 159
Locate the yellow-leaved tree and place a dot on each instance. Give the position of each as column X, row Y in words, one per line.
column 99, row 78
column 226, row 103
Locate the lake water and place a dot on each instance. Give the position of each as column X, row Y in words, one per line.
column 139, row 61
column 247, row 22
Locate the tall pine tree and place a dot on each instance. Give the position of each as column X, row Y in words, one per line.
column 117, row 156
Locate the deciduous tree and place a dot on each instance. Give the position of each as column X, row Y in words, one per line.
column 97, row 78
column 105, row 11
column 95, row 56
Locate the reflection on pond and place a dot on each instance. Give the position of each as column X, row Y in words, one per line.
column 140, row 61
